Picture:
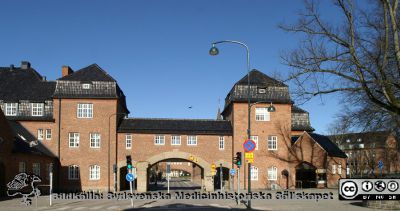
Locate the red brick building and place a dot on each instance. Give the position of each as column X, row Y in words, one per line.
column 81, row 118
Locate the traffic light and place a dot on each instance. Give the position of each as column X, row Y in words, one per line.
column 238, row 159
column 128, row 162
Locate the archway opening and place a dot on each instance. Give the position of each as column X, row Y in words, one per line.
column 224, row 174
column 2, row 179
column 183, row 175
column 306, row 176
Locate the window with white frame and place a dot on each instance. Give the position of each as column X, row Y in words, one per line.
column 21, row 167
column 36, row 169
column 272, row 142
column 272, row 173
column 128, row 141
column 10, row 109
column 221, row 143
column 85, row 86
column 192, row 140
column 94, row 172
column 48, row 134
column 334, row 169
column 73, row 172
column 254, row 173
column 40, row 134
column 73, row 140
column 37, row 109
column 159, row 140
column 262, row 114
column 85, row 110
column 255, row 139
column 339, row 169
column 175, row 140
column 94, row 140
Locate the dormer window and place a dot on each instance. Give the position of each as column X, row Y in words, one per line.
column 85, row 86
column 359, row 140
column 261, row 91
column 348, row 140
column 37, row 109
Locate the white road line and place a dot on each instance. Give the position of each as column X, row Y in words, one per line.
column 220, row 206
column 147, row 205
column 112, row 207
column 79, row 208
column 96, row 208
column 63, row 208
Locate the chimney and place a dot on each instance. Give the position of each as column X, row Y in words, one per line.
column 25, row 65
column 66, row 70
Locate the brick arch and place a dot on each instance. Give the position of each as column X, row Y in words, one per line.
column 180, row 155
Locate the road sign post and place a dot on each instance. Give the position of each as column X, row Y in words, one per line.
column 51, row 182
column 249, row 146
column 380, row 166
column 130, row 177
column 168, row 175
column 238, row 183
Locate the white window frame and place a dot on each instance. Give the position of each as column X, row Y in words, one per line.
column 339, row 169
column 272, row 143
column 333, row 168
column 272, row 173
column 95, row 140
column 73, row 140
column 255, row 139
column 48, row 134
column 159, row 140
column 73, row 172
column 37, row 109
column 262, row 114
column 84, row 110
column 94, row 172
column 221, row 143
column 86, row 86
column 175, row 140
column 40, row 134
column 36, row 169
column 128, row 141
column 191, row 140
column 254, row 173
column 10, row 109
column 22, row 167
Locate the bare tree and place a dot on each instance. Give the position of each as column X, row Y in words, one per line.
column 357, row 56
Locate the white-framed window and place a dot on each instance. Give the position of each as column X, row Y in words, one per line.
column 40, row 134
column 254, row 173
column 94, row 172
column 128, row 141
column 37, row 109
column 272, row 173
column 85, row 86
column 334, row 169
column 10, row 109
column 48, row 134
column 339, row 169
column 272, row 142
column 85, row 110
column 95, row 140
column 192, row 140
column 73, row 140
column 262, row 114
column 255, row 139
column 221, row 143
column 21, row 167
column 175, row 140
column 73, row 172
column 159, row 140
column 36, row 169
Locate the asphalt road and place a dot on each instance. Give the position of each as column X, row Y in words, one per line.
column 175, row 184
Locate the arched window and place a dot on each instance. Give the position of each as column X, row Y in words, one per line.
column 272, row 173
column 94, row 172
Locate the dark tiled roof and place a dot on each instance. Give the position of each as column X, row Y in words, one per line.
column 300, row 120
column 302, row 127
column 24, row 84
column 90, row 73
column 31, row 118
column 260, row 79
column 176, row 126
column 331, row 148
column 296, row 109
column 375, row 139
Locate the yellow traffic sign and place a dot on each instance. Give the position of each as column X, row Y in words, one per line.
column 213, row 166
column 249, row 157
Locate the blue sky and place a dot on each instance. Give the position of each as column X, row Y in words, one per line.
column 158, row 50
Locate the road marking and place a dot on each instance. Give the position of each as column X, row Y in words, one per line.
column 63, row 208
column 147, row 206
column 96, row 208
column 79, row 208
column 112, row 208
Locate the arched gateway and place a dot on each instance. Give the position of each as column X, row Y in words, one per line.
column 143, row 167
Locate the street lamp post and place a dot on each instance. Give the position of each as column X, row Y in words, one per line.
column 109, row 153
column 214, row 51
